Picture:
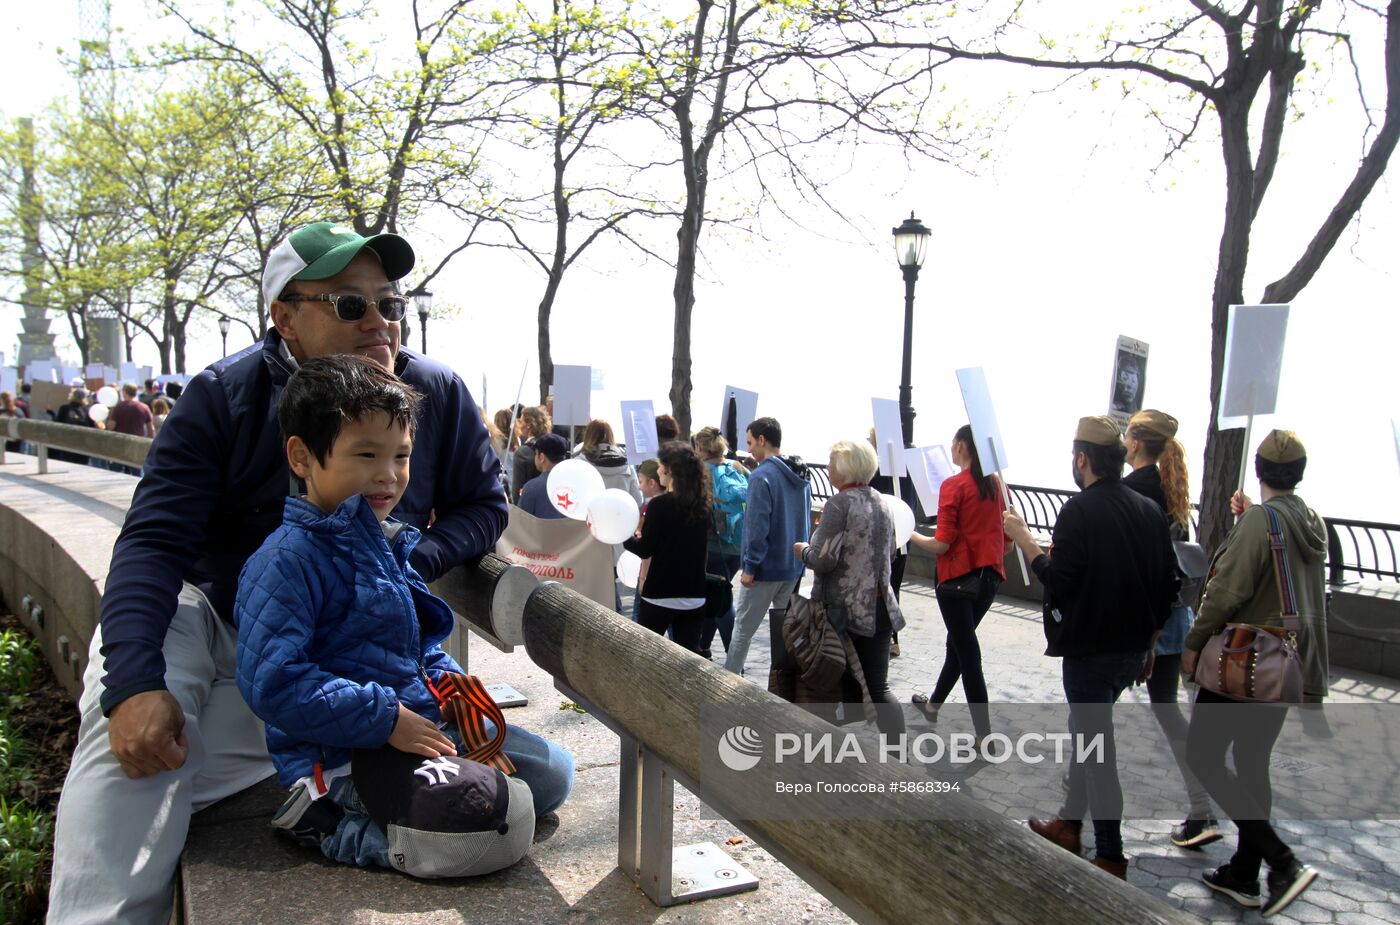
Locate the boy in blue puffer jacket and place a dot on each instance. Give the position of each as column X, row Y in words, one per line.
column 338, row 636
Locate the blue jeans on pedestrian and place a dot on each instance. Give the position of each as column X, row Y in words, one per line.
column 1093, row 683
column 548, row 769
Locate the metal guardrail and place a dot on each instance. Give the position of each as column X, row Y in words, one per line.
column 1356, row 549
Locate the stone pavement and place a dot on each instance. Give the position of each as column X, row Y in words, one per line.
column 1359, row 860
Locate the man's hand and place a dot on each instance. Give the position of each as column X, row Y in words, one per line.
column 1014, row 527
column 419, row 736
column 1239, row 503
column 146, row 733
column 746, row 579
column 1189, row 657
column 1146, row 672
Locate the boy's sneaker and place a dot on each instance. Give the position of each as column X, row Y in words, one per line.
column 1197, row 833
column 1223, row 880
column 1287, row 884
column 307, row 821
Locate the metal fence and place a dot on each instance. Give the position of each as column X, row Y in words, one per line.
column 1356, row 549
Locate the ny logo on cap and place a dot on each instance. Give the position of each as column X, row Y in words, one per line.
column 435, row 771
column 339, row 229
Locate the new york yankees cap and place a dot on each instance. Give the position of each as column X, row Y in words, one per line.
column 444, row 816
column 322, row 249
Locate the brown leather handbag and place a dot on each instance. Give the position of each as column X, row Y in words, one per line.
column 1258, row 664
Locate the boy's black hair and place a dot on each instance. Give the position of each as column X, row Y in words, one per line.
column 1106, row 462
column 768, row 428
column 1279, row 475
column 328, row 391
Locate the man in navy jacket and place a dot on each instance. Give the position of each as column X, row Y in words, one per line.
column 164, row 730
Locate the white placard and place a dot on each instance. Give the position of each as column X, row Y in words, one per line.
column 128, row 372
column 9, row 379
column 745, row 411
column 1254, row 339
column 573, row 386
column 929, row 468
column 70, row 373
column 1129, row 380
column 639, row 430
column 94, row 371
column 977, row 399
column 596, row 383
column 889, row 437
column 144, row 373
column 40, row 371
column 111, row 376
column 1395, row 428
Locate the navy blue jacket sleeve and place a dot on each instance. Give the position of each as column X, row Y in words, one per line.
column 162, row 536
column 469, row 507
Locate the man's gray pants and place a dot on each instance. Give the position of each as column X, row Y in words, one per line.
column 749, row 610
column 118, row 839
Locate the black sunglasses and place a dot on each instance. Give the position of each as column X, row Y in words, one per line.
column 353, row 307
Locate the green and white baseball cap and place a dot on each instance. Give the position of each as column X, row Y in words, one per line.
column 323, row 249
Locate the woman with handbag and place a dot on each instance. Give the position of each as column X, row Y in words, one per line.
column 850, row 557
column 970, row 547
column 1263, row 607
column 1159, row 475
column 673, row 535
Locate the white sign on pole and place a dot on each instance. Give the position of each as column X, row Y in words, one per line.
column 9, row 378
column 929, row 468
column 596, row 383
column 573, row 386
column 745, row 411
column 986, row 434
column 1254, row 338
column 69, row 374
column 143, row 373
column 128, row 373
column 111, row 376
column 94, row 371
column 889, row 437
column 1129, row 379
column 40, row 371
column 639, row 430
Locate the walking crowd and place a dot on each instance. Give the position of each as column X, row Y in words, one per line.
column 231, row 647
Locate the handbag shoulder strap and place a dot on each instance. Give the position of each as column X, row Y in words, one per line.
column 1288, row 602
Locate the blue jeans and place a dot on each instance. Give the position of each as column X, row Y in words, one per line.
column 548, row 769
column 1093, row 683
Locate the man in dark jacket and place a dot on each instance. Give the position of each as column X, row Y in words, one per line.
column 1109, row 585
column 164, row 730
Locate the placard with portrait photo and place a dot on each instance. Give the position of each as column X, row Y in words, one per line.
column 1129, row 380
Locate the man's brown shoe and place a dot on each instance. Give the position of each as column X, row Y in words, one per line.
column 1062, row 832
column 1118, row 869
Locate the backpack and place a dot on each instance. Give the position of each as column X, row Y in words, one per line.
column 731, row 491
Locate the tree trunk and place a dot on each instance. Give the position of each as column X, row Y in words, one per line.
column 1224, row 449
column 688, row 238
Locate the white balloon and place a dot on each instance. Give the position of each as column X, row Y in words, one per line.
column 97, row 412
column 108, row 396
column 613, row 516
column 629, row 569
column 903, row 517
column 572, row 484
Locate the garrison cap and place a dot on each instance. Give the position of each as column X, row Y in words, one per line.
column 1282, row 446
column 1098, row 430
column 1158, row 423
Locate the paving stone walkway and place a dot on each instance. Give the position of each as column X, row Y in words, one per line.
column 1359, row 860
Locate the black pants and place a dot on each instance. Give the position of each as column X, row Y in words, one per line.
column 1162, row 691
column 685, row 625
column 963, row 655
column 1249, row 731
column 874, row 655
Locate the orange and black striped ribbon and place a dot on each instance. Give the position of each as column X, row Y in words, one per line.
column 465, row 702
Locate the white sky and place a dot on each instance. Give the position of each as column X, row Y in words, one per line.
column 1037, row 264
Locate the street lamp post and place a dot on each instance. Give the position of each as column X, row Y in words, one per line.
column 910, row 247
column 424, row 300
column 223, row 331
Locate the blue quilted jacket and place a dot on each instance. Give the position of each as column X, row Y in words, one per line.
column 335, row 630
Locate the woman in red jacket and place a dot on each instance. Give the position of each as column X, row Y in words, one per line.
column 970, row 547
